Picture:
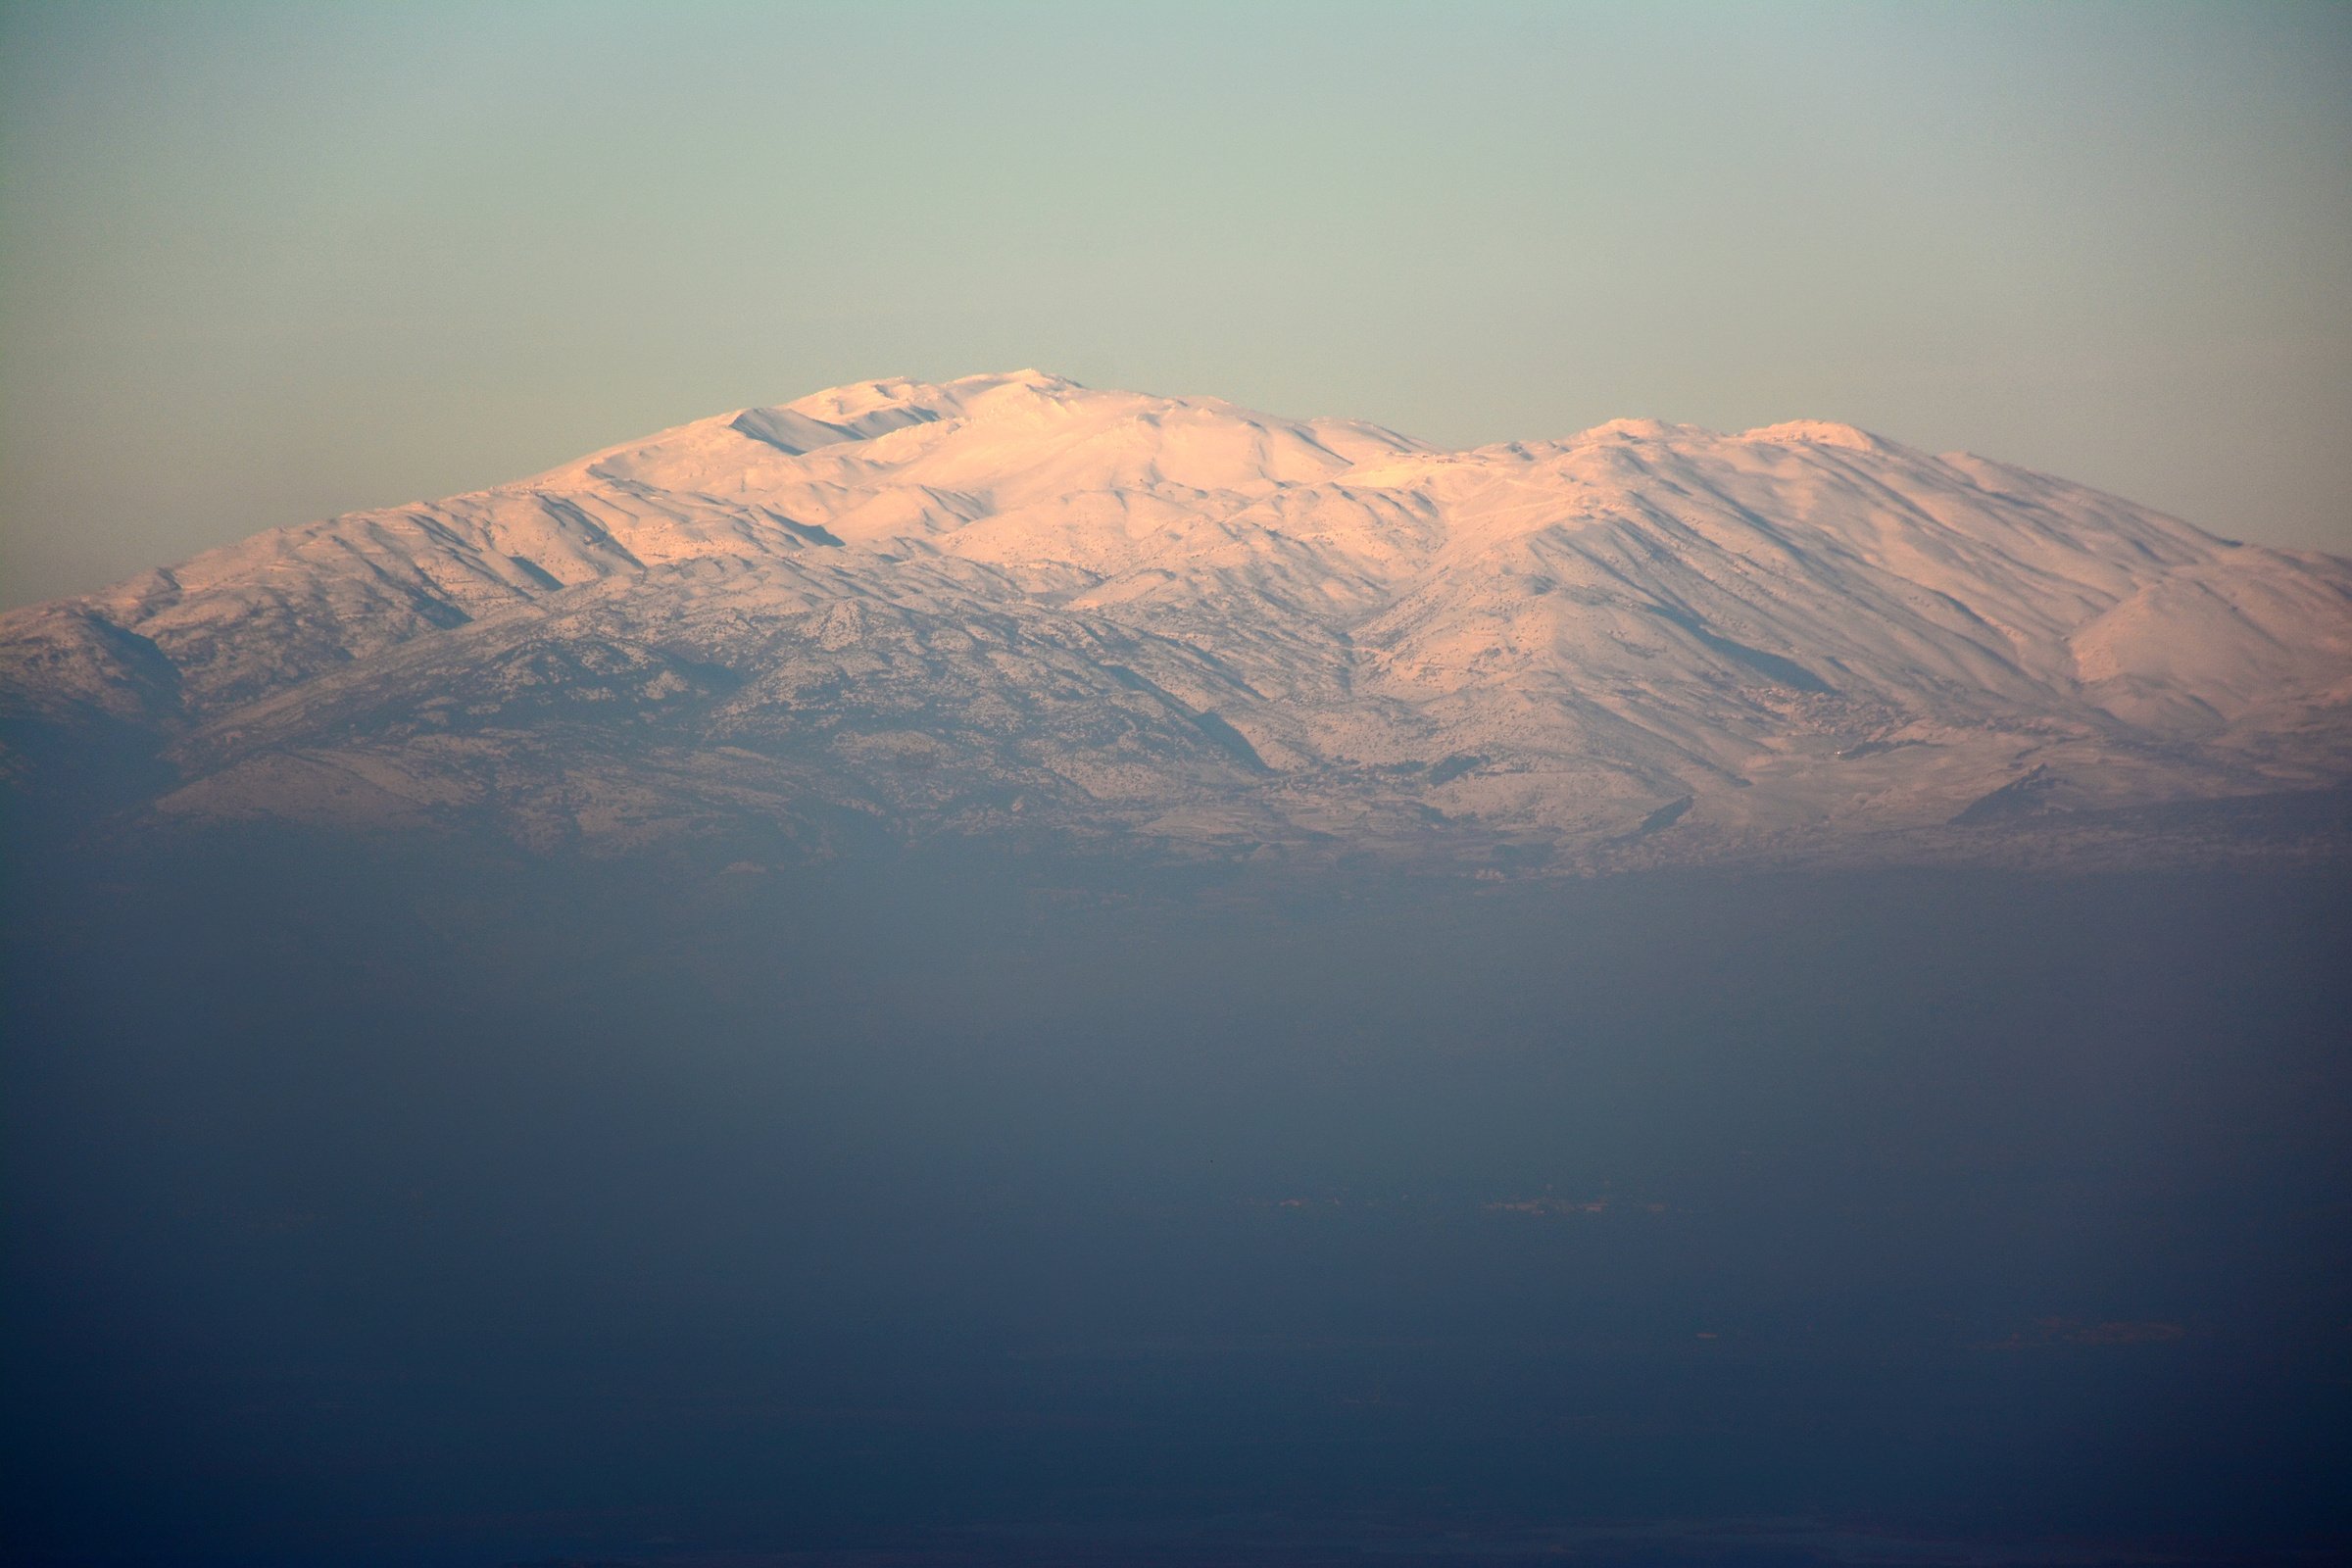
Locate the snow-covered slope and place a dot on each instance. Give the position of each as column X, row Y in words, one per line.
column 1013, row 603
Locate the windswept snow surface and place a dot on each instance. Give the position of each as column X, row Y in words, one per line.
column 1015, row 604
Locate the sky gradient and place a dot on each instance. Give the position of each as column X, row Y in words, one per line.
column 261, row 264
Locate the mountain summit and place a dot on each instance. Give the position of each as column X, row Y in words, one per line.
column 1015, row 604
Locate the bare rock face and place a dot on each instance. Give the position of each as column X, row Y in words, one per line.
column 1010, row 604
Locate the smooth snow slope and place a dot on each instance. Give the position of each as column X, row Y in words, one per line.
column 1012, row 602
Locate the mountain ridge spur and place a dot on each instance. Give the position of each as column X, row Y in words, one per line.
column 1011, row 605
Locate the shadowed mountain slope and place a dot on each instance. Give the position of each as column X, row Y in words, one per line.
column 1012, row 604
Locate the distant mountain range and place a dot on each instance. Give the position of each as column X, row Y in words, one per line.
column 1010, row 605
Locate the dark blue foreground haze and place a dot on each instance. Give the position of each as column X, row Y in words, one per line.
column 457, row 1211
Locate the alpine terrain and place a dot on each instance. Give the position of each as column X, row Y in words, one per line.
column 1014, row 606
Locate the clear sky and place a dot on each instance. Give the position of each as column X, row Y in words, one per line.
column 265, row 262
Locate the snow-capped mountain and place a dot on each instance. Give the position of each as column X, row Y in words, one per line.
column 1013, row 604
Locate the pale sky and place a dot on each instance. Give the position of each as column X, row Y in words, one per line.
column 266, row 262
